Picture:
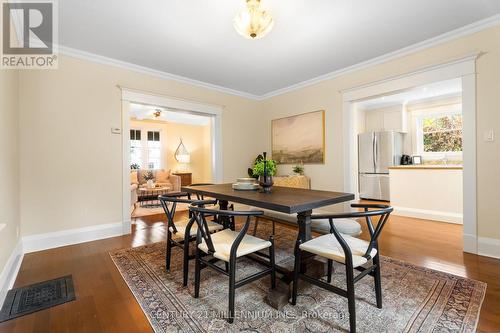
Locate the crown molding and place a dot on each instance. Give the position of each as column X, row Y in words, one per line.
column 441, row 39
column 79, row 54
column 469, row 68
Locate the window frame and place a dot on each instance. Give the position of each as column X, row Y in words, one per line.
column 145, row 146
column 418, row 135
column 141, row 147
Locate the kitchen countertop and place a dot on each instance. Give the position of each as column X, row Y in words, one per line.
column 427, row 167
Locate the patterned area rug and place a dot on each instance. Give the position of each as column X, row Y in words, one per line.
column 415, row 299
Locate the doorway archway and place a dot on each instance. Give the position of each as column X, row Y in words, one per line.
column 464, row 68
column 192, row 107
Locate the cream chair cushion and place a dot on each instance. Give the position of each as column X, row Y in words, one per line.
column 327, row 246
column 181, row 227
column 345, row 226
column 223, row 240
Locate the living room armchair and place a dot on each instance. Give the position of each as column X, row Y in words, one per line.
column 176, row 182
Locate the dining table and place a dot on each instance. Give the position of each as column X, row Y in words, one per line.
column 281, row 199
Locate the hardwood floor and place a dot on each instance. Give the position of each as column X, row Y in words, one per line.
column 105, row 304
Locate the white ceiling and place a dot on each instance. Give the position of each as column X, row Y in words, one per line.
column 431, row 91
column 196, row 39
column 146, row 112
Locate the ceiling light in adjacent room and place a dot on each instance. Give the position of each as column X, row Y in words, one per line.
column 253, row 22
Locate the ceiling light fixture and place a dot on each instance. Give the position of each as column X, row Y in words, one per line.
column 253, row 22
column 157, row 113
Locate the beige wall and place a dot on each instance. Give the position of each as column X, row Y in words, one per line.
column 9, row 164
column 70, row 161
column 326, row 95
column 198, row 145
column 197, row 140
column 71, row 164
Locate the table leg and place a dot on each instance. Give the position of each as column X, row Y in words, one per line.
column 225, row 220
column 304, row 222
column 279, row 297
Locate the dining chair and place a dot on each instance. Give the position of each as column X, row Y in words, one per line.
column 353, row 252
column 216, row 205
column 182, row 232
column 227, row 246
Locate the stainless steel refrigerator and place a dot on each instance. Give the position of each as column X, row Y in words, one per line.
column 377, row 151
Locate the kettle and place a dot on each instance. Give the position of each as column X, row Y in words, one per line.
column 406, row 160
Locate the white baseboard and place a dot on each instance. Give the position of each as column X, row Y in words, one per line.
column 52, row 240
column 488, row 247
column 429, row 215
column 470, row 243
column 10, row 270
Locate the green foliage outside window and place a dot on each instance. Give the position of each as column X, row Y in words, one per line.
column 442, row 134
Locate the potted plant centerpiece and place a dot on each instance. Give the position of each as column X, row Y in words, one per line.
column 265, row 169
column 149, row 178
column 299, row 169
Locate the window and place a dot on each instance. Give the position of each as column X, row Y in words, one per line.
column 136, row 147
column 146, row 150
column 442, row 133
column 154, row 150
column 438, row 134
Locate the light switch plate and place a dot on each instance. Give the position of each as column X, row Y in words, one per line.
column 116, row 130
column 489, row 135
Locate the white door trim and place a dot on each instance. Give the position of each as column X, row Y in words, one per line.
column 464, row 68
column 137, row 96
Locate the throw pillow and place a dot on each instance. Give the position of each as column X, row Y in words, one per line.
column 162, row 176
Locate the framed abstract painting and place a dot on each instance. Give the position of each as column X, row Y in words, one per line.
column 299, row 139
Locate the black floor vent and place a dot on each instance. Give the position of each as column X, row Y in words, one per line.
column 24, row 300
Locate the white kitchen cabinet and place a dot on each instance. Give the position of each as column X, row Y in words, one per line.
column 374, row 121
column 388, row 119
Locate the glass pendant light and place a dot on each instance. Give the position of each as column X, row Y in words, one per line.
column 253, row 22
column 181, row 154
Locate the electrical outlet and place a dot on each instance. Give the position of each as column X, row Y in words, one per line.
column 489, row 135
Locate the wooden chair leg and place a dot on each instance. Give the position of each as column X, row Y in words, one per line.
column 232, row 289
column 169, row 250
column 272, row 261
column 351, row 299
column 197, row 272
column 185, row 264
column 274, row 228
column 378, row 282
column 255, row 226
column 330, row 270
column 296, row 271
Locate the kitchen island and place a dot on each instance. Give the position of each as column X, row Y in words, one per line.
column 432, row 192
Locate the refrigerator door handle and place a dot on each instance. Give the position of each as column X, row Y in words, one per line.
column 375, row 143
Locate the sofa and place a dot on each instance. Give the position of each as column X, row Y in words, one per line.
column 161, row 178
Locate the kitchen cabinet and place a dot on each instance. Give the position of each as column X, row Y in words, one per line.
column 387, row 119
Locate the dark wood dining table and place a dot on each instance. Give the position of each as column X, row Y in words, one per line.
column 281, row 199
